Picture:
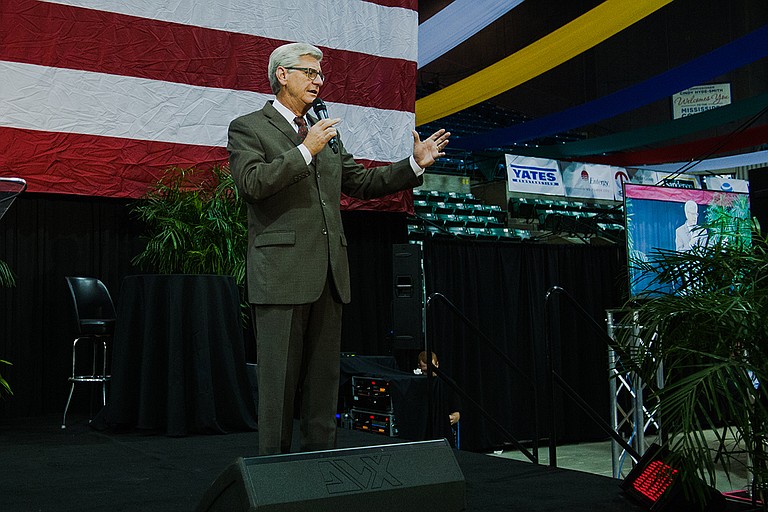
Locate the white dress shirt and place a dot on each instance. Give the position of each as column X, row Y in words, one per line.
column 290, row 116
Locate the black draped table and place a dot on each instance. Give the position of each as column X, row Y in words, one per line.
column 178, row 358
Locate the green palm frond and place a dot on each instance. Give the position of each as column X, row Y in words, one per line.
column 6, row 275
column 7, row 279
column 4, row 386
column 710, row 340
column 196, row 224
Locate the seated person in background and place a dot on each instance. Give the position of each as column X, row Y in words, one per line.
column 446, row 403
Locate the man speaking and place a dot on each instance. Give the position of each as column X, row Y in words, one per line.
column 297, row 270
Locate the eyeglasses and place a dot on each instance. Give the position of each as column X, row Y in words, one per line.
column 311, row 73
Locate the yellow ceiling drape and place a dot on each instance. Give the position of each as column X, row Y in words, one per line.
column 586, row 31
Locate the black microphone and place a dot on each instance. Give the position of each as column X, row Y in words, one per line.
column 321, row 111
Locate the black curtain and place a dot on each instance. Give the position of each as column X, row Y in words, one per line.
column 367, row 319
column 45, row 237
column 501, row 288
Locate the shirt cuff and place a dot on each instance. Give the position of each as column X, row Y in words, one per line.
column 418, row 171
column 305, row 153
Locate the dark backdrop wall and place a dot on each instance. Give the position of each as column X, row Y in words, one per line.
column 367, row 320
column 45, row 237
column 499, row 286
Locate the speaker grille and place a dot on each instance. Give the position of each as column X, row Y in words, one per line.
column 388, row 477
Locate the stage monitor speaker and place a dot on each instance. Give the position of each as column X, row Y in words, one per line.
column 409, row 476
column 407, row 297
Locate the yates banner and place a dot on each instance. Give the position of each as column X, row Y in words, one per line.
column 534, row 175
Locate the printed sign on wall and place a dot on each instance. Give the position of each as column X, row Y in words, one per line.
column 534, row 175
column 727, row 184
column 700, row 99
column 592, row 180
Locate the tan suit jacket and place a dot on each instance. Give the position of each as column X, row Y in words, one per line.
column 295, row 230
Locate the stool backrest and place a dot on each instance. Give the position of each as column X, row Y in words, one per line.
column 91, row 299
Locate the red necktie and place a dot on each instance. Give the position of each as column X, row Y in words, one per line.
column 302, row 124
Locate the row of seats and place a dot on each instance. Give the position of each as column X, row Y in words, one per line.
column 453, row 220
column 571, row 217
column 462, row 214
column 459, row 214
column 575, row 226
column 456, row 203
column 453, row 163
column 421, row 206
column 456, row 210
column 418, row 231
column 436, row 196
column 527, row 208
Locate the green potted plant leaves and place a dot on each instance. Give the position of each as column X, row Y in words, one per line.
column 6, row 275
column 196, row 224
column 4, row 386
column 709, row 339
column 7, row 280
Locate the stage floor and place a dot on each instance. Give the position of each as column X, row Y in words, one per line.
column 49, row 469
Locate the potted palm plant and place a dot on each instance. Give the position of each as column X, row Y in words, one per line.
column 5, row 388
column 196, row 224
column 7, row 280
column 708, row 336
column 6, row 275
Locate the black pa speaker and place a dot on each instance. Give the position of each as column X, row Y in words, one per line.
column 407, row 297
column 408, row 476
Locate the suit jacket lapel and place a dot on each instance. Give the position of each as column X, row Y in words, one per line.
column 279, row 122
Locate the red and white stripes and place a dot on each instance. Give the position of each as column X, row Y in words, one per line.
column 98, row 96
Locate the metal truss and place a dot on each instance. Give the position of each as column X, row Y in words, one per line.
column 634, row 420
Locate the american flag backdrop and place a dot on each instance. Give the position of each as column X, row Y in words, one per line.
column 97, row 97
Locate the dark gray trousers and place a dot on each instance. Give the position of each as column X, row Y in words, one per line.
column 298, row 347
